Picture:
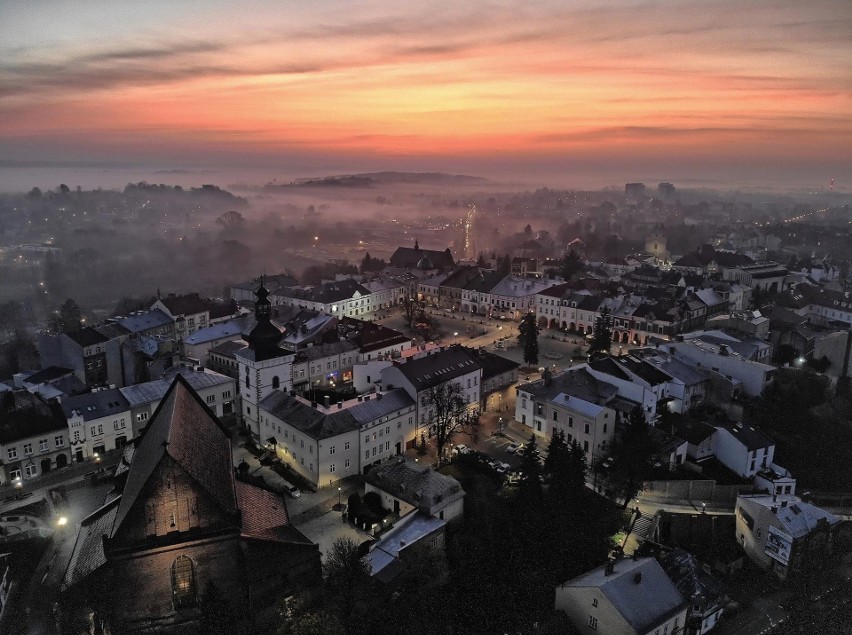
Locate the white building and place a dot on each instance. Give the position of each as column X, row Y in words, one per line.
column 328, row 442
column 405, row 486
column 624, row 597
column 745, row 375
column 98, row 421
column 742, row 448
column 453, row 365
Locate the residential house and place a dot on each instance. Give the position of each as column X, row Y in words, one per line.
column 742, row 448
column 189, row 313
column 624, row 597
column 783, row 534
column 98, row 422
column 408, row 258
column 84, row 352
column 498, row 374
column 703, row 592
column 405, row 486
column 197, row 346
column 742, row 375
column 413, row 537
column 33, row 436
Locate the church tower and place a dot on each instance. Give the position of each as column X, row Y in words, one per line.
column 263, row 365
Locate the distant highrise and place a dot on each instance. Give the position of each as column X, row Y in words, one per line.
column 665, row 191
column 635, row 191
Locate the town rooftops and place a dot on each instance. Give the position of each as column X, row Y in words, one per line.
column 96, row 404
column 88, row 553
column 228, row 349
column 749, row 436
column 638, row 589
column 330, row 292
column 316, row 423
column 87, row 337
column 797, row 517
column 369, row 336
column 145, row 320
column 695, row 432
column 439, row 367
column 419, row 485
column 150, row 391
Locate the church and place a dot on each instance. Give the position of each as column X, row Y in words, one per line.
column 180, row 541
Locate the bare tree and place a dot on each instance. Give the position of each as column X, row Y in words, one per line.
column 448, row 414
column 411, row 308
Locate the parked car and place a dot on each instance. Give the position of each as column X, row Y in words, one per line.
column 515, row 448
column 461, row 449
column 292, row 490
column 502, row 468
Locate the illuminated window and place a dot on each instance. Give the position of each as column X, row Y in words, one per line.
column 183, row 582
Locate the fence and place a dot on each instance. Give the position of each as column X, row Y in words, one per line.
column 700, row 490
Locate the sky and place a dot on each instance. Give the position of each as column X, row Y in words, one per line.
column 716, row 91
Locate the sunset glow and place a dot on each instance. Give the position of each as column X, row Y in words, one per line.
column 714, row 82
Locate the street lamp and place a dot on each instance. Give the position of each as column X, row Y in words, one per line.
column 338, row 497
column 61, row 521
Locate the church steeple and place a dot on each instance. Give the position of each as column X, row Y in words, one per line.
column 264, row 337
column 416, row 245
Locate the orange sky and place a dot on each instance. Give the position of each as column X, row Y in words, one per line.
column 642, row 85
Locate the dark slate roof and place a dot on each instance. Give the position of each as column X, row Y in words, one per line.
column 145, row 320
column 87, row 337
column 646, row 371
column 184, row 429
column 408, row 257
column 416, row 484
column 222, row 309
column 24, row 415
column 48, row 374
column 694, row 582
column 314, row 422
column 748, row 435
column 578, row 383
column 111, row 330
column 695, row 432
column 369, row 336
column 229, row 349
column 188, row 304
column 638, row 589
column 663, row 442
column 375, row 408
column 609, row 366
column 493, row 364
column 94, row 405
column 329, row 292
column 437, row 368
column 484, row 282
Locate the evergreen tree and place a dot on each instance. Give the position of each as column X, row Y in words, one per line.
column 530, row 491
column 632, row 453
column 365, row 263
column 570, row 265
column 602, row 333
column 528, row 338
column 68, row 318
column 555, row 450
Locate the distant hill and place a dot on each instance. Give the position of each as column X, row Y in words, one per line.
column 371, row 179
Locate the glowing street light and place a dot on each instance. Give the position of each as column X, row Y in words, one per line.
column 62, row 521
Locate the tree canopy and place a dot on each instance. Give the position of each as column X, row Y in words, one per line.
column 528, row 338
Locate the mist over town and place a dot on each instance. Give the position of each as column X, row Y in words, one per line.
column 441, row 319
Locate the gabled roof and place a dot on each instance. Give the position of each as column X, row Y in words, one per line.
column 145, row 320
column 438, row 368
column 418, row 485
column 610, row 367
column 150, row 391
column 24, row 415
column 264, row 515
column 87, row 337
column 234, row 328
column 796, row 517
column 385, row 554
column 749, row 436
column 638, row 589
column 184, row 429
column 695, row 583
column 94, row 405
column 189, row 304
column 317, row 424
column 88, row 553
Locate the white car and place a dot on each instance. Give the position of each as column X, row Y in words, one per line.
column 512, row 448
column 461, row 449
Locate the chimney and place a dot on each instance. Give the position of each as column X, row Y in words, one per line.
column 366, row 397
column 783, row 503
column 327, row 401
column 360, row 398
